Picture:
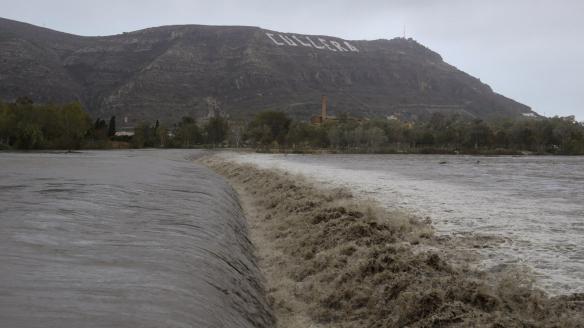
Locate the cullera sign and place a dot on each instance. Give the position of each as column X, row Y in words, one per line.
column 306, row 41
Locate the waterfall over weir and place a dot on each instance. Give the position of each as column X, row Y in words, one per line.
column 123, row 239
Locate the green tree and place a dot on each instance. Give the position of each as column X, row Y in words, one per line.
column 99, row 131
column 139, row 140
column 112, row 127
column 479, row 134
column 356, row 137
column 188, row 133
column 162, row 135
column 374, row 138
column 502, row 139
column 522, row 136
column 29, row 136
column 75, row 124
column 7, row 124
column 335, row 136
column 269, row 127
column 425, row 137
column 216, row 130
column 145, row 136
column 236, row 133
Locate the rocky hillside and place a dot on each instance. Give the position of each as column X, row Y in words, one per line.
column 172, row 71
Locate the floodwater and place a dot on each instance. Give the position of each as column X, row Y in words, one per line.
column 123, row 239
column 534, row 204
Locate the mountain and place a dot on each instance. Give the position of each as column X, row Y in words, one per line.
column 171, row 71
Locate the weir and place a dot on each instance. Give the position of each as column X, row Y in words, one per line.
column 123, row 239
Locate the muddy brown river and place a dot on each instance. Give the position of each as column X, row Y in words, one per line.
column 123, row 239
column 534, row 204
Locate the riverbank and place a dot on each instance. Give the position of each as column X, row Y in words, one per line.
column 394, row 151
column 115, row 145
column 331, row 260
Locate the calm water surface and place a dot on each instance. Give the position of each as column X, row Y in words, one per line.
column 535, row 203
column 123, row 239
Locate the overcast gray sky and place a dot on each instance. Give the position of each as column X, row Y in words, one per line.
column 529, row 50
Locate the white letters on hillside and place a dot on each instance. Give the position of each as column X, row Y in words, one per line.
column 338, row 46
column 271, row 36
column 288, row 40
column 305, row 41
column 301, row 42
column 323, row 41
column 314, row 44
column 351, row 47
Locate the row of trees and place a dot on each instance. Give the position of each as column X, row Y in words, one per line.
column 440, row 133
column 24, row 125
column 185, row 134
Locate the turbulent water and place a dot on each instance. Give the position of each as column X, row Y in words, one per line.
column 535, row 204
column 123, row 239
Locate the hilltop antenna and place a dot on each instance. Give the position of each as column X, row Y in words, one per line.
column 404, row 31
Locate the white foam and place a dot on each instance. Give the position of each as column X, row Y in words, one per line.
column 533, row 202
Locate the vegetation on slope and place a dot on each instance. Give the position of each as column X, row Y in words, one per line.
column 169, row 72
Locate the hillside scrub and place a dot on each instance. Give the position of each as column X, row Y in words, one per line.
column 331, row 260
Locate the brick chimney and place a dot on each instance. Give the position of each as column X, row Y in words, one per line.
column 324, row 108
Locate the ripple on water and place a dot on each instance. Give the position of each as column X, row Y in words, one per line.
column 123, row 239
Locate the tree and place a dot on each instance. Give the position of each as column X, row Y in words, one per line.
column 394, row 132
column 236, row 132
column 480, row 134
column 335, row 136
column 24, row 101
column 425, row 137
column 502, row 139
column 145, row 135
column 260, row 136
column 216, row 130
column 188, row 133
column 28, row 126
column 75, row 124
column 100, row 130
column 268, row 127
column 112, row 127
column 140, row 138
column 162, row 135
column 7, row 126
column 299, row 134
column 374, row 137
column 29, row 136
column 522, row 135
